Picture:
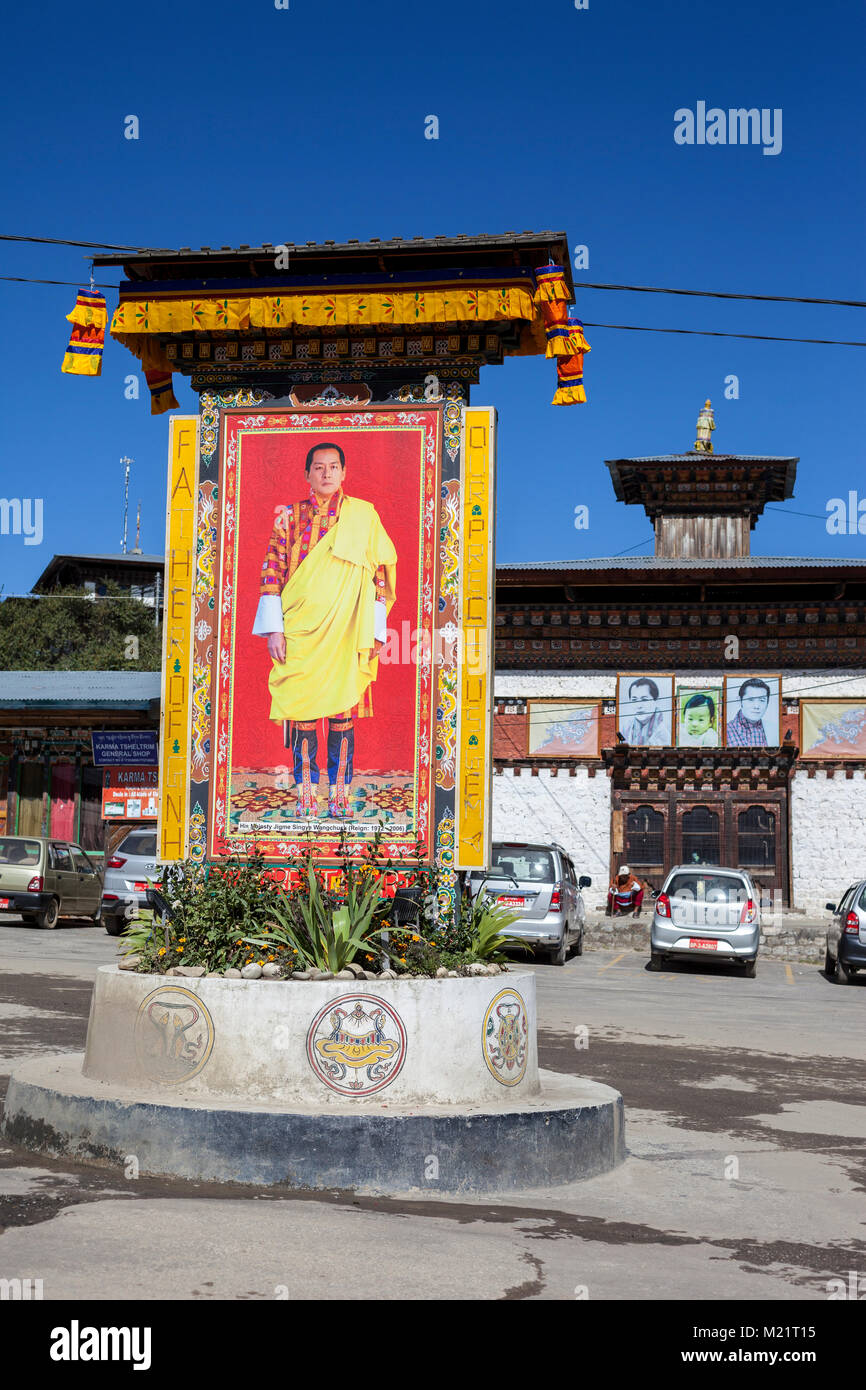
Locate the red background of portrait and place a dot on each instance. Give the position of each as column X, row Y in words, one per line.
column 383, row 467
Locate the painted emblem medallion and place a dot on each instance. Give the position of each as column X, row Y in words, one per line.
column 174, row 1035
column 356, row 1044
column 505, row 1037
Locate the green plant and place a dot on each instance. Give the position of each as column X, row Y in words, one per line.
column 490, row 923
column 322, row 934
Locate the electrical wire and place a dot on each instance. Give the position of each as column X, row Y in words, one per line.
column 26, row 280
column 709, row 333
column 586, row 285
column 724, row 294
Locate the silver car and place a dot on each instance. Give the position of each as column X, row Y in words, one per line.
column 706, row 911
column 541, row 884
column 846, row 935
column 127, row 872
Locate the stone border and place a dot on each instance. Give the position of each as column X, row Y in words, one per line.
column 573, row 1129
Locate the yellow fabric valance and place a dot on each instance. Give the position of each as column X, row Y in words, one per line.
column 404, row 307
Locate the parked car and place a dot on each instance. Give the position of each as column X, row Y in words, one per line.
column 704, row 910
column 540, row 883
column 45, row 879
column 127, row 871
column 845, row 953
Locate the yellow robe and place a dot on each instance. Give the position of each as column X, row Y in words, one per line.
column 329, row 618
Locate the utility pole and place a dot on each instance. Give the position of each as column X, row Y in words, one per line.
column 127, row 465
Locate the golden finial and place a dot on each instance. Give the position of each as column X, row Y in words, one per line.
column 706, row 424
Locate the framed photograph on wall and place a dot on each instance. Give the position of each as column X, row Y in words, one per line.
column 752, row 709
column 565, row 728
column 700, row 712
column 645, row 709
column 833, row 728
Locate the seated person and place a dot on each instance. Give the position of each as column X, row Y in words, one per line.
column 625, row 894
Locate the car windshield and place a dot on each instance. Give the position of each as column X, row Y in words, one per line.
column 708, row 888
column 522, row 862
column 25, row 852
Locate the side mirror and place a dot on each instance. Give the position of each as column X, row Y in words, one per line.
column 831, row 907
column 584, row 881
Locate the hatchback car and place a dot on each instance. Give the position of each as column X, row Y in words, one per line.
column 540, row 884
column 45, row 879
column 127, row 871
column 845, row 952
column 704, row 911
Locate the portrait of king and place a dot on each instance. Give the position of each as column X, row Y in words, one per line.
column 328, row 582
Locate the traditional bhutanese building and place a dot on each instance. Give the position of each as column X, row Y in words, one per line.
column 584, row 648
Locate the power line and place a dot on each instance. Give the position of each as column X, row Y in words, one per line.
column 26, row 280
column 708, row 333
column 724, row 294
column 92, row 245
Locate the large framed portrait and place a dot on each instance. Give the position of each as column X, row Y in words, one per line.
column 700, row 714
column 324, row 664
column 752, row 705
column 565, row 728
column 833, row 728
column 645, row 709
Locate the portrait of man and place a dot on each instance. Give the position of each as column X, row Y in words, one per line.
column 699, row 718
column 328, row 583
column 644, row 710
column 323, row 716
column 752, row 712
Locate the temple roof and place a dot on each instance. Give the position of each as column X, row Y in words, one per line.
column 321, row 259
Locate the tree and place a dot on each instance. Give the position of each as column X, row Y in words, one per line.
column 69, row 630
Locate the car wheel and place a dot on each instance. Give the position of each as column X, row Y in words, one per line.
column 829, row 965
column 578, row 950
column 843, row 976
column 750, row 969
column 113, row 925
column 655, row 961
column 559, row 953
column 51, row 916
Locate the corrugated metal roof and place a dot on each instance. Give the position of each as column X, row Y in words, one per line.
column 104, row 689
column 698, row 456
column 653, row 562
column 462, row 241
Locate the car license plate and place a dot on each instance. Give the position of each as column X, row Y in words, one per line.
column 700, row 944
column 511, row 901
column 4, row 902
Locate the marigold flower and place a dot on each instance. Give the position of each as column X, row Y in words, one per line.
column 162, row 950
column 180, row 949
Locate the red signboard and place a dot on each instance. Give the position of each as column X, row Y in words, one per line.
column 130, row 793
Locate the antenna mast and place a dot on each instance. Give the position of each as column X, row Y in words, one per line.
column 127, row 463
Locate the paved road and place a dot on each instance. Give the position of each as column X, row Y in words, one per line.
column 746, row 1128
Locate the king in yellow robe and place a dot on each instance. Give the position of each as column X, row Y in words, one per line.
column 331, row 569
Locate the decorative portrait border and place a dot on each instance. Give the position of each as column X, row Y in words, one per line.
column 218, row 539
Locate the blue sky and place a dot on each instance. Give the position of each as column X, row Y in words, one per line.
column 260, row 124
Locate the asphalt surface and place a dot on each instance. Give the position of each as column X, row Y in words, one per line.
column 745, row 1124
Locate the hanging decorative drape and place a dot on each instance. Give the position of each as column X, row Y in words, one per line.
column 543, row 318
column 564, row 333
column 83, row 356
column 569, row 371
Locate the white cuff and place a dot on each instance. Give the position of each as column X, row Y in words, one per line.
column 381, row 621
column 269, row 616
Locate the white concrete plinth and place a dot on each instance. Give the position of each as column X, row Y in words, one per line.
column 405, row 1042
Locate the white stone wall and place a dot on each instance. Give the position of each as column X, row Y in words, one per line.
column 828, row 836
column 573, row 811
